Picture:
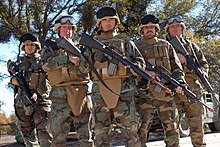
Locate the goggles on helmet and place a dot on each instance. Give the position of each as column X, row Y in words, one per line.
column 177, row 18
column 65, row 19
column 149, row 18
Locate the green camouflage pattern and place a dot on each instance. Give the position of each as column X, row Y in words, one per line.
column 26, row 127
column 32, row 122
column 124, row 116
column 148, row 101
column 62, row 116
column 147, row 105
column 193, row 110
column 193, row 113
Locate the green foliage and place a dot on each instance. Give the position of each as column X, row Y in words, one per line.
column 211, row 49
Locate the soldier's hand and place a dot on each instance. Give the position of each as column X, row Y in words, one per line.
column 34, row 96
column 179, row 90
column 181, row 58
column 14, row 81
column 75, row 60
column 153, row 75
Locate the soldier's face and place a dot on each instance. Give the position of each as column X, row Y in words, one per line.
column 30, row 47
column 149, row 31
column 175, row 30
column 66, row 31
column 108, row 24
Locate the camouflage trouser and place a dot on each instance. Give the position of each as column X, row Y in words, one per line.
column 193, row 113
column 27, row 129
column 33, row 125
column 61, row 117
column 147, row 105
column 124, row 116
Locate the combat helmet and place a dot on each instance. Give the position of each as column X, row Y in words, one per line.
column 149, row 20
column 176, row 19
column 64, row 20
column 28, row 37
column 106, row 12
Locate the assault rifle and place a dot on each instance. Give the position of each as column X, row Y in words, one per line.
column 89, row 41
column 192, row 65
column 14, row 71
column 52, row 44
column 68, row 46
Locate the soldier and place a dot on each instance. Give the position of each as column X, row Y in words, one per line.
column 118, row 107
column 32, row 119
column 69, row 79
column 193, row 110
column 151, row 99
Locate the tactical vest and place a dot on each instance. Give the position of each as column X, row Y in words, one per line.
column 106, row 67
column 67, row 74
column 33, row 71
column 157, row 54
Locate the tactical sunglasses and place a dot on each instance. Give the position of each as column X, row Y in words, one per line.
column 177, row 18
column 65, row 19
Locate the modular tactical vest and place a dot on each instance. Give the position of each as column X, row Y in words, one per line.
column 106, row 66
column 32, row 69
column 61, row 72
column 157, row 53
column 111, row 71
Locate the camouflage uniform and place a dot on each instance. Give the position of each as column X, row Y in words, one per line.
column 193, row 110
column 68, row 94
column 32, row 120
column 110, row 108
column 160, row 53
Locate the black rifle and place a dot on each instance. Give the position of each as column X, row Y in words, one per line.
column 14, row 71
column 192, row 65
column 52, row 44
column 89, row 41
column 68, row 46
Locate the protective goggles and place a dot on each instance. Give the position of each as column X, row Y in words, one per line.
column 65, row 19
column 149, row 18
column 177, row 18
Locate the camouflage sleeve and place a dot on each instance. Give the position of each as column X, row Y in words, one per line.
column 45, row 54
column 44, row 88
column 134, row 53
column 201, row 59
column 52, row 61
column 176, row 67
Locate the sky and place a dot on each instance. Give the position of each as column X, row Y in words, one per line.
column 8, row 51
